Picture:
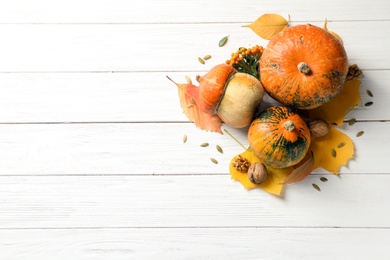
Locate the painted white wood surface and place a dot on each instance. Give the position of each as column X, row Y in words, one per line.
column 195, row 243
column 177, row 11
column 92, row 164
column 150, row 148
column 168, row 201
column 116, row 97
column 158, row 47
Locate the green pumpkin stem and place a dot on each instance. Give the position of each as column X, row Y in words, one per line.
column 289, row 125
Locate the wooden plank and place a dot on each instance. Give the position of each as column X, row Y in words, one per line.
column 129, row 97
column 90, row 97
column 175, row 11
column 130, row 148
column 41, row 202
column 196, row 243
column 132, row 189
column 157, row 47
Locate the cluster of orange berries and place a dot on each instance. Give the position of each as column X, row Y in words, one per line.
column 241, row 53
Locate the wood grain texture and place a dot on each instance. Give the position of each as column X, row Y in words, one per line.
column 210, row 243
column 92, row 163
column 176, row 11
column 190, row 201
column 132, row 47
column 130, row 97
column 149, row 148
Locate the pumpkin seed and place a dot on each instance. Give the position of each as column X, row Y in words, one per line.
column 184, row 139
column 369, row 104
column 214, row 160
column 334, row 153
column 219, row 149
column 223, row 41
column 316, row 187
column 341, row 144
column 360, row 133
column 188, row 79
column 352, row 121
column 207, row 57
column 204, row 144
column 369, row 93
column 201, row 60
column 190, row 105
column 323, row 179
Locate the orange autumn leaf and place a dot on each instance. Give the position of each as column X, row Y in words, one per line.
column 201, row 119
column 268, row 25
column 272, row 184
column 336, row 110
column 332, row 151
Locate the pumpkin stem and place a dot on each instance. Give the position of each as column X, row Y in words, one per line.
column 289, row 125
column 303, row 67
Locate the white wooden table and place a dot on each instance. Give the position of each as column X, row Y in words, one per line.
column 92, row 164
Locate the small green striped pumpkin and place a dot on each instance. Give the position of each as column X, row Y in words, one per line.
column 279, row 137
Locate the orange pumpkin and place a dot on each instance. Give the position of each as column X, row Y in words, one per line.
column 223, row 94
column 279, row 137
column 303, row 66
column 212, row 86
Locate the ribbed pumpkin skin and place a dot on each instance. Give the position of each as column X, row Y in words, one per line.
column 276, row 146
column 320, row 50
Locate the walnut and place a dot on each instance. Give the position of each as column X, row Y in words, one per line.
column 241, row 164
column 257, row 173
column 318, row 127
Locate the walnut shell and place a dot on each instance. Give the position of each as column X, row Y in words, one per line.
column 257, row 173
column 318, row 127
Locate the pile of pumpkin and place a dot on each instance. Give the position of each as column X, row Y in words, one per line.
column 302, row 67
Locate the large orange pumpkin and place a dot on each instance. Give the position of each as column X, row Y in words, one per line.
column 303, row 66
column 279, row 137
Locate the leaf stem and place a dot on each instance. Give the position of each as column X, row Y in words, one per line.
column 235, row 139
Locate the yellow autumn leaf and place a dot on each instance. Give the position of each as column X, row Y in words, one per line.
column 336, row 110
column 332, row 32
column 335, row 149
column 268, row 25
column 275, row 177
column 332, row 151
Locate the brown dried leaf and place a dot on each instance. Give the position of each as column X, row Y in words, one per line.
column 268, row 25
column 303, row 170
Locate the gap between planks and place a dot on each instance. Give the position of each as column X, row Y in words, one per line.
column 141, row 122
column 201, row 227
